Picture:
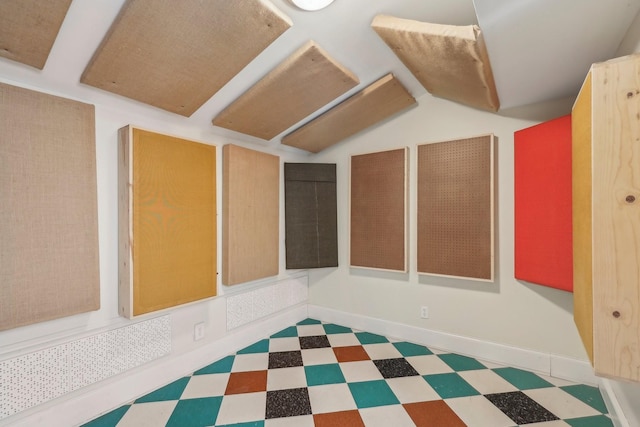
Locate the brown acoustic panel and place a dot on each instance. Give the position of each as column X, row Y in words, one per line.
column 28, row 29
column 311, row 226
column 378, row 210
column 303, row 83
column 168, row 254
column 450, row 61
column 250, row 218
column 48, row 208
column 456, row 208
column 175, row 55
column 376, row 102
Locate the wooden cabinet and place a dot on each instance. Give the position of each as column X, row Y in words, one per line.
column 606, row 216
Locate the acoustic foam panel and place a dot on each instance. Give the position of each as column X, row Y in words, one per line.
column 175, row 55
column 167, row 223
column 378, row 210
column 543, row 236
column 28, row 29
column 456, row 208
column 303, row 83
column 49, row 265
column 376, row 102
column 250, row 220
column 311, row 225
column 450, row 61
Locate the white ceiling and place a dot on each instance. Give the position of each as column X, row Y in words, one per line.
column 539, row 49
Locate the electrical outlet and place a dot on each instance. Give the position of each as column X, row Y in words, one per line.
column 198, row 331
column 424, row 312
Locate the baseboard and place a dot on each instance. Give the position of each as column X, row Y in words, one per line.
column 80, row 406
column 613, row 405
column 547, row 364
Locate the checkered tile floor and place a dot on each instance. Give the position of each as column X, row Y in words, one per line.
column 322, row 374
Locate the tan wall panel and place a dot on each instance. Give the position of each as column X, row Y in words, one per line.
column 48, row 208
column 167, row 221
column 450, row 61
column 456, row 208
column 378, row 210
column 175, row 55
column 303, row 83
column 581, row 116
column 376, row 102
column 28, row 29
column 250, row 219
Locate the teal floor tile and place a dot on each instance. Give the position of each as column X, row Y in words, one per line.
column 291, row 331
column 200, row 412
column 408, row 349
column 369, row 394
column 330, row 328
column 523, row 380
column 324, row 374
column 450, row 385
column 222, row 366
column 171, row 391
column 596, row 421
column 369, row 338
column 109, row 419
column 461, row 363
column 261, row 346
column 309, row 322
column 588, row 394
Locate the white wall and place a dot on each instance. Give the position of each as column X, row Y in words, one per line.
column 507, row 311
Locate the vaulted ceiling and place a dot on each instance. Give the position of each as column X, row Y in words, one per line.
column 539, row 50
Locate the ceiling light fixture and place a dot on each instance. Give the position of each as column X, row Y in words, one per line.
column 311, row 5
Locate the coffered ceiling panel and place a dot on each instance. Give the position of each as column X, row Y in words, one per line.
column 176, row 55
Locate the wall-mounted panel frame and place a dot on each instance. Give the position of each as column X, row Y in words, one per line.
column 250, row 214
column 311, row 223
column 28, row 29
column 175, row 55
column 49, row 265
column 378, row 210
column 456, row 194
column 542, row 211
column 167, row 221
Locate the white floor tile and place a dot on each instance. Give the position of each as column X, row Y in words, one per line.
column 310, row 330
column 285, row 378
column 487, row 382
column 358, row 371
column 412, row 389
column 239, row 408
column 477, row 411
column 331, row 398
column 205, row 386
column 386, row 416
column 427, row 365
column 318, row 356
column 148, row 414
column 561, row 403
column 250, row 362
column 343, row 340
column 300, row 421
column 284, row 344
column 382, row 351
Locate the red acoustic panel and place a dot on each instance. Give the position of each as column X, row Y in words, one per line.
column 543, row 235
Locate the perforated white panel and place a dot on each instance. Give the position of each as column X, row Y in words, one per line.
column 35, row 378
column 252, row 305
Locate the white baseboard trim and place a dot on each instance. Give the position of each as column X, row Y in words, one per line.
column 613, row 405
column 85, row 404
column 547, row 364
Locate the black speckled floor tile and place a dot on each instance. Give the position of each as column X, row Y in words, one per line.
column 521, row 408
column 318, row 341
column 285, row 359
column 395, row 368
column 288, row 403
